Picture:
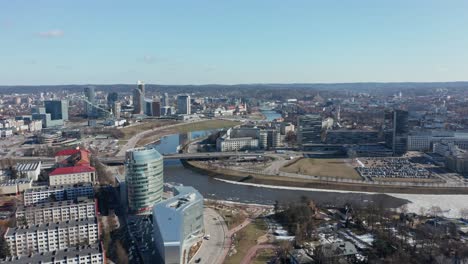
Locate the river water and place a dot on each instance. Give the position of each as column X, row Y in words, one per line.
column 212, row 188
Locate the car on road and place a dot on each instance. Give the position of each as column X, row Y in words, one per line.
column 198, row 260
column 207, row 237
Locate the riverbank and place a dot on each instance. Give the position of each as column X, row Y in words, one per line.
column 254, row 178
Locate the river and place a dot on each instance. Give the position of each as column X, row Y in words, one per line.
column 212, row 188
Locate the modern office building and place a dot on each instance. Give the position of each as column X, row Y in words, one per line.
column 55, row 212
column 91, row 254
column 139, row 99
column 351, row 137
column 237, row 139
column 26, row 240
column 39, row 113
column 309, row 130
column 178, row 225
column 183, row 104
column 144, row 179
column 58, row 109
column 396, row 131
column 112, row 97
column 165, row 100
column 90, row 102
column 156, row 108
column 116, row 108
column 46, row 194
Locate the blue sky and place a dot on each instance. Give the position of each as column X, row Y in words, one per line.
column 236, row 41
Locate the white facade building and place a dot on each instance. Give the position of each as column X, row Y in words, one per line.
column 29, row 170
column 57, row 193
column 72, row 175
column 55, row 212
column 52, row 236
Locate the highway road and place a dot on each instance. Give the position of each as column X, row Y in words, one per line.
column 211, row 251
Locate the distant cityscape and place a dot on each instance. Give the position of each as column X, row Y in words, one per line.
column 234, row 174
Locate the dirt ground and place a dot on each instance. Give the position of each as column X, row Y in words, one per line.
column 323, row 167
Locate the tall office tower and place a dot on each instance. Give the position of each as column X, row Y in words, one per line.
column 178, row 225
column 183, row 104
column 58, row 109
column 396, row 131
column 116, row 107
column 112, row 97
column 165, row 100
column 139, row 98
column 309, row 130
column 144, row 179
column 91, row 101
column 156, row 108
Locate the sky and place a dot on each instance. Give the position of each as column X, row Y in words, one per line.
column 46, row 42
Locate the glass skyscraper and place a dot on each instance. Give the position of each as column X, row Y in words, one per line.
column 144, row 179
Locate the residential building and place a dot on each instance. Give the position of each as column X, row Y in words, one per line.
column 49, row 237
column 144, row 179
column 183, row 104
column 46, row 194
column 55, row 212
column 178, row 224
column 91, row 254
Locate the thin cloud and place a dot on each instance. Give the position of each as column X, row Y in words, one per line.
column 55, row 33
column 149, row 59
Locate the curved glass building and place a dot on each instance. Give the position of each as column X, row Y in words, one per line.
column 144, row 179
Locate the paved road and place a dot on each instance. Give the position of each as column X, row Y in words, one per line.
column 211, row 251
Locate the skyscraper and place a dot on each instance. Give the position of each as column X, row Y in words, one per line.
column 144, row 179
column 309, row 130
column 91, row 101
column 396, row 130
column 183, row 104
column 58, row 109
column 116, row 107
column 112, row 97
column 139, row 98
column 165, row 100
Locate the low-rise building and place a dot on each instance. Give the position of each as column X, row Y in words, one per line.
column 29, row 170
column 49, row 237
column 72, row 175
column 55, row 212
column 178, row 224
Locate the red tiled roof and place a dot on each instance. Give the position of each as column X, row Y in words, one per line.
column 69, row 152
column 70, row 170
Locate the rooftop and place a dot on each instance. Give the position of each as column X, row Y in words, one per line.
column 52, row 257
column 70, row 170
column 49, row 226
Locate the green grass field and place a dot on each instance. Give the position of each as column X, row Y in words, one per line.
column 245, row 239
column 323, row 167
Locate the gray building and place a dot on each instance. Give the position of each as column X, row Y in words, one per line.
column 396, row 131
column 144, row 179
column 309, row 130
column 90, row 95
column 178, row 225
column 165, row 100
column 139, row 99
column 58, row 109
column 351, row 137
column 183, row 104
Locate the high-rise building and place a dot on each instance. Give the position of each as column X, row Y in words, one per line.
column 116, row 108
column 58, row 109
column 178, row 225
column 112, row 97
column 165, row 100
column 183, row 104
column 144, row 179
column 396, row 130
column 90, row 101
column 309, row 130
column 139, row 98
column 156, row 108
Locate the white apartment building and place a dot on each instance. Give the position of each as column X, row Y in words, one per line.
column 235, row 144
column 80, row 255
column 57, row 193
column 55, row 212
column 72, row 175
column 52, row 236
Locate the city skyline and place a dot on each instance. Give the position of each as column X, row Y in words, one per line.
column 232, row 43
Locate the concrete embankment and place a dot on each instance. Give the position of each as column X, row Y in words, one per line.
column 232, row 175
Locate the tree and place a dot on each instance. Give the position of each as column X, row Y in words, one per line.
column 122, row 256
column 4, row 248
